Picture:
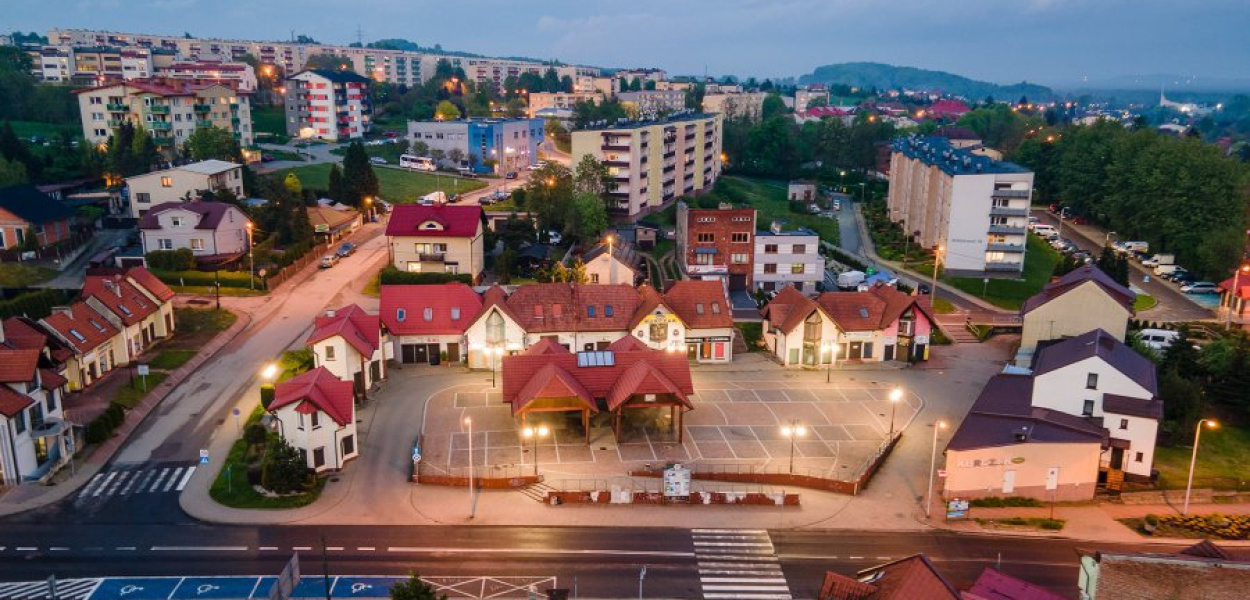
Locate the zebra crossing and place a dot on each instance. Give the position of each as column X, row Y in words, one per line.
column 66, row 589
column 137, row 479
column 739, row 564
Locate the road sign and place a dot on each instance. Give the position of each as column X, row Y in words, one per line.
column 416, row 452
column 203, row 456
column 942, row 473
column 144, row 370
column 287, row 580
column 235, row 412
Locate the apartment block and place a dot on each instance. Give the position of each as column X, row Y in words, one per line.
column 804, row 96
column 540, row 101
column 788, row 257
column 642, row 75
column 328, row 105
column 654, row 162
column 717, row 244
column 168, row 112
column 486, row 145
column 748, row 105
column 653, row 102
column 974, row 207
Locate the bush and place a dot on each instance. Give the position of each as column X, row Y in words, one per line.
column 1052, row 524
column 255, row 434
column 34, row 305
column 103, row 426
column 181, row 259
column 1014, row 501
column 392, row 276
column 283, row 470
column 266, row 395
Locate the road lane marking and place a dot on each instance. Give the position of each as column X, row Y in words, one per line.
column 130, row 484
column 738, row 588
column 126, row 548
column 199, row 548
column 157, row 483
column 366, row 548
column 26, row 548
column 185, row 478
column 267, row 548
column 172, row 479
column 86, row 490
column 58, row 549
column 334, row 548
column 714, row 580
column 302, row 548
column 540, row 551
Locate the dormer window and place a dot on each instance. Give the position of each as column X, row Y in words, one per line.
column 97, row 326
column 125, row 310
column 716, row 308
column 590, row 311
column 607, row 310
column 400, row 315
column 428, row 314
column 698, row 308
column 538, row 311
column 557, row 310
column 455, row 313
column 77, row 336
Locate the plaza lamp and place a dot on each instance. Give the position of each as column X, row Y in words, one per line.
column 833, row 358
column 895, row 395
column 928, row 494
column 532, row 434
column 794, row 430
column 1193, row 459
column 937, row 258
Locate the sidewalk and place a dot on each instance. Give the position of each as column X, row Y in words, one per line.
column 28, row 497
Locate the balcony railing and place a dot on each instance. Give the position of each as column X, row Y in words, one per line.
column 1004, row 247
column 160, row 126
column 1002, row 266
column 1011, row 193
column 162, row 140
column 609, row 147
column 159, row 109
column 203, row 123
column 1005, row 211
column 201, row 107
column 431, row 256
column 117, row 107
column 1006, row 229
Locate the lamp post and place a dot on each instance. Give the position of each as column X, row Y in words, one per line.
column 937, row 257
column 1193, row 459
column 928, row 494
column 468, row 422
column 251, row 259
column 368, row 209
column 495, row 352
column 862, row 190
column 794, row 430
column 532, row 434
column 611, row 261
column 1234, row 295
column 895, row 395
column 833, row 358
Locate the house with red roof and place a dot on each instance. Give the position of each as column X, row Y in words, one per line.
column 352, row 345
column 1235, row 293
column 797, row 330
column 692, row 316
column 1082, row 300
column 215, row 232
column 947, row 109
column 623, row 376
column 33, row 431
column 437, row 239
column 880, row 324
column 316, row 412
column 95, row 343
column 496, row 331
column 911, row 578
column 426, row 323
column 135, row 312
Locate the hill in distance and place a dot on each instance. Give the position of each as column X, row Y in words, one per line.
column 883, row 77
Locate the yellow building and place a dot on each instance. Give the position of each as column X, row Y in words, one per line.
column 169, row 114
column 1082, row 300
column 437, row 239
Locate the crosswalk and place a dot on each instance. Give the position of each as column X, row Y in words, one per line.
column 67, row 589
column 739, row 564
column 130, row 480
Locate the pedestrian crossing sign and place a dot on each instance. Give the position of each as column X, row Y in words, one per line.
column 203, row 456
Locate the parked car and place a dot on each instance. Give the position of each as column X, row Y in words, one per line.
column 1033, row 222
column 377, row 160
column 466, row 172
column 1199, row 287
column 1184, row 278
column 554, row 237
column 510, row 175
column 346, row 249
column 486, row 200
column 266, row 158
column 1157, row 339
column 328, row 261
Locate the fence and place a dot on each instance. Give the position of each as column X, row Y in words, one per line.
column 290, row 270
column 487, row 477
column 51, row 252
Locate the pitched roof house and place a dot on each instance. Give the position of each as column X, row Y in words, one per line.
column 303, row 404
column 437, row 239
column 23, row 208
column 1082, row 300
column 879, row 324
column 350, row 343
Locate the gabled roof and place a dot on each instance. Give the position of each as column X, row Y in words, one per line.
column 13, row 402
column 945, row 107
column 330, row 217
column 702, row 303
column 120, row 296
column 871, row 310
column 551, row 381
column 20, row 332
column 547, row 307
column 211, row 213
column 1242, row 283
column 18, row 365
column 440, row 220
column 317, row 390
column 33, row 206
column 623, row 251
column 1005, row 408
column 1149, row 408
column 625, row 344
column 209, row 167
column 442, row 302
column 555, row 373
column 789, row 308
column 546, row 346
column 1100, row 344
column 1072, row 280
column 146, row 280
column 643, row 377
column 497, row 297
column 911, row 578
column 1209, row 549
column 649, row 299
column 81, row 327
column 353, row 324
column 994, row 585
column 840, row 587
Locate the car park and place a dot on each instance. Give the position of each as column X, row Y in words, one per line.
column 346, row 249
column 328, row 261
column 1199, row 287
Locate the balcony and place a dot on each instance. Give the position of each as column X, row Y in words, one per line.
column 234, row 121
column 436, row 257
column 201, row 107
column 610, row 147
column 163, row 140
column 115, row 123
column 160, row 126
column 203, row 123
column 616, row 163
column 117, row 107
column 1003, row 266
column 1006, row 211
column 992, row 247
column 1006, row 229
column 158, row 109
column 1010, row 194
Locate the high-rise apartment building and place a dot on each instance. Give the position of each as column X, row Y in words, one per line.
column 169, row 112
column 328, row 105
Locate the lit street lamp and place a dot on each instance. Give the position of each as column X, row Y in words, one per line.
column 251, row 260
column 937, row 258
column 895, row 395
column 1193, row 460
column 833, row 358
column 928, row 494
column 794, row 430
column 532, row 434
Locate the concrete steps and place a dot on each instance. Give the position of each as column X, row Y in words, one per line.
column 537, row 491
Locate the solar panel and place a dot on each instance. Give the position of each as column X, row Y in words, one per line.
column 596, row 358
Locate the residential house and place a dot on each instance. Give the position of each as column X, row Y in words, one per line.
column 24, row 209
column 911, row 578
column 352, row 345
column 692, row 315
column 213, row 231
column 34, row 437
column 880, row 324
column 437, row 239
column 130, row 309
column 328, row 105
column 95, row 342
column 788, row 257
column 331, row 224
column 653, row 102
column 317, row 416
column 170, row 111
column 178, row 184
column 427, row 323
column 996, row 585
column 1082, row 300
column 797, row 330
column 621, row 265
column 1204, row 571
column 802, row 190
column 539, row 101
column 497, row 330
column 736, row 105
column 717, row 244
column 576, row 316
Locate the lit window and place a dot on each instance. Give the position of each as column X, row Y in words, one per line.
column 329, row 352
column 167, row 182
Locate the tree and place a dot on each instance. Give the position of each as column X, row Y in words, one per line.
column 12, row 173
column 283, row 470
column 335, row 185
column 586, row 217
column 773, row 106
column 547, row 194
column 593, row 177
column 420, row 148
column 328, row 62
column 551, row 81
column 446, row 111
column 504, row 264
column 414, row 589
column 209, row 143
column 359, row 180
column 1114, row 265
column 456, row 155
column 293, row 184
column 401, row 145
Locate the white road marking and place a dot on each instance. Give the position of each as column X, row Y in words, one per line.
column 267, row 548
column 169, row 485
column 334, row 548
column 199, row 548
column 157, row 483
column 540, row 551
column 185, row 478
column 26, row 548
column 125, row 547
column 302, row 548
column 90, row 487
column 58, row 549
column 738, row 588
column 104, row 484
column 366, row 548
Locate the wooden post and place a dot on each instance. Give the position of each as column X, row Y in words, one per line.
column 586, row 423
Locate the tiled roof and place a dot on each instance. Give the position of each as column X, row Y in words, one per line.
column 353, row 324
column 33, row 206
column 20, row 334
column 911, row 578
column 994, row 585
column 1209, row 549
column 643, row 377
column 146, row 280
column 1005, row 408
column 945, row 107
column 435, row 221
column 788, row 309
column 442, row 302
column 1242, row 283
column 12, row 402
column 1072, row 280
column 18, row 366
column 51, row 379
column 548, row 307
column 331, row 218
column 210, row 213
column 527, row 377
column 81, row 326
column 120, row 296
column 1098, row 343
column 871, row 310
column 841, row 587
column 551, row 381
column 648, row 300
column 702, row 304
column 1149, row 408
column 314, row 390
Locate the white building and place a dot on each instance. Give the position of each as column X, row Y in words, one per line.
column 351, row 344
column 618, row 266
column 317, row 416
column 328, row 105
column 177, row 183
column 975, row 209
column 170, row 113
column 804, row 96
column 34, row 437
column 212, row 230
column 788, row 258
column 141, row 317
column 485, row 145
column 427, row 323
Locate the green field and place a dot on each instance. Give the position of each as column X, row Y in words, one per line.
column 269, row 119
column 1222, row 454
column 25, row 129
column 398, row 186
column 1039, row 264
column 18, row 275
column 769, row 199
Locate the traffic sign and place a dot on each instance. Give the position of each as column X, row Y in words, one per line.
column 416, row 453
column 203, row 456
column 144, row 370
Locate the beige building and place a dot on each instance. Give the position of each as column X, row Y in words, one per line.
column 732, row 106
column 654, row 162
column 437, row 239
column 560, row 100
column 174, row 185
column 169, row 114
column 649, row 103
column 620, row 265
column 805, row 96
column 1082, row 300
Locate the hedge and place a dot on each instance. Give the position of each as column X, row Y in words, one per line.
column 103, row 426
column 35, row 305
column 393, row 276
column 234, row 279
column 181, row 259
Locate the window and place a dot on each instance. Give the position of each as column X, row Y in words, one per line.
column 400, row 314
column 167, row 182
column 739, row 237
column 800, row 249
column 738, row 259
column 659, row 330
column 703, row 259
column 797, row 268
column 538, row 311
column 594, row 278
column 1091, row 381
column 427, row 314
column 319, row 457
column 349, row 445
column 165, row 244
column 51, row 401
column 143, row 197
column 329, row 352
column 770, row 268
column 716, row 308
column 19, row 421
column 315, row 419
column 1088, row 409
column 698, row 308
column 455, row 313
column 770, row 248
column 607, row 310
column 1141, row 456
column 707, row 237
column 175, row 221
column 1123, row 423
column 197, row 243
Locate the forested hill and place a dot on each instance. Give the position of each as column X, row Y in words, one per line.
column 884, row 77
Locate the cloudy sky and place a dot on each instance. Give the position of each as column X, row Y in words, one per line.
column 1047, row 41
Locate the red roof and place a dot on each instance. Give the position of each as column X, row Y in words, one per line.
column 948, row 108
column 911, row 578
column 146, row 280
column 435, row 221
column 788, row 309
column 827, row 111
column 361, row 329
column 993, row 585
column 551, row 374
column 841, row 587
column 51, row 379
column 872, row 310
column 1242, row 283
column 443, row 303
column 123, row 298
column 81, row 327
column 317, row 390
column 20, row 332
column 13, row 402
column 18, row 366
column 546, row 307
column 702, row 303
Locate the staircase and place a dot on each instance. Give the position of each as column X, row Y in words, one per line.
column 537, row 490
column 739, row 343
column 954, row 326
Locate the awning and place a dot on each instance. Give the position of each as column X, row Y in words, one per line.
column 705, row 250
column 51, row 427
column 1118, row 443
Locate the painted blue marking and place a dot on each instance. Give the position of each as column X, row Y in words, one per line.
column 215, row 588
column 136, row 588
column 364, row 587
column 311, row 586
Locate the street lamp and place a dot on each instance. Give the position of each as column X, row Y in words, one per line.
column 369, row 208
column 1234, row 295
column 833, row 358
column 937, row 258
column 895, row 395
column 495, row 352
column 611, row 261
column 794, row 430
column 928, row 494
column 468, row 422
column 532, row 434
column 1193, row 459
column 251, row 259
column 269, row 372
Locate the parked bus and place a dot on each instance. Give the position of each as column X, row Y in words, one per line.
column 420, row 163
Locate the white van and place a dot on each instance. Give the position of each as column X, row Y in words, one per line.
column 1046, row 231
column 851, row 279
column 1158, row 339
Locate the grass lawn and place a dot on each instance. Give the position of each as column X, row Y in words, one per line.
column 1039, row 264
column 196, row 326
column 269, row 119
column 168, row 360
column 132, row 393
column 1023, row 522
column 373, row 289
column 769, row 198
column 752, row 333
column 943, row 306
column 398, row 186
column 388, row 151
column 205, row 290
column 506, row 206
column 1222, row 456
column 18, row 275
column 48, row 131
column 284, row 155
column 1144, row 302
column 231, row 487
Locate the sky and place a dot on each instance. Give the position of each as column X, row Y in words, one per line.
column 1003, row 41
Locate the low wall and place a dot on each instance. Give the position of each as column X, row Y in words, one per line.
column 556, row 498
column 483, row 483
column 1197, row 496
